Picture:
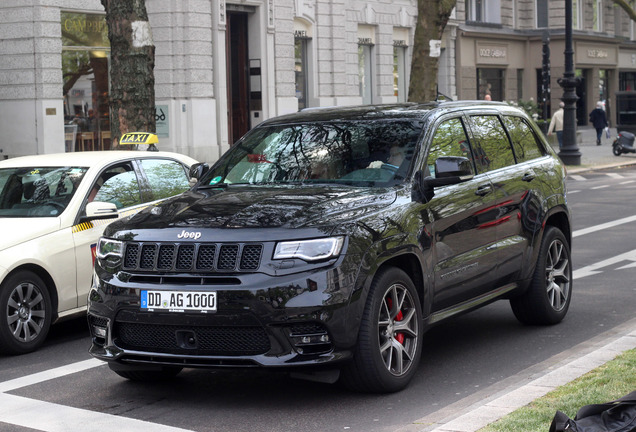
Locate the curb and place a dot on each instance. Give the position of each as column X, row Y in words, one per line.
column 486, row 407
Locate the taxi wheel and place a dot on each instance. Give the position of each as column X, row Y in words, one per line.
column 25, row 319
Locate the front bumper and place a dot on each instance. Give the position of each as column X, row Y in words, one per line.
column 290, row 321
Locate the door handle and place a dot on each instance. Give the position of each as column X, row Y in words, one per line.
column 528, row 177
column 483, row 190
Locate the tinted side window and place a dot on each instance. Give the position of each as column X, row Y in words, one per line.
column 524, row 141
column 449, row 140
column 166, row 177
column 493, row 149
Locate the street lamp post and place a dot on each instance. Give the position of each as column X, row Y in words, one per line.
column 569, row 154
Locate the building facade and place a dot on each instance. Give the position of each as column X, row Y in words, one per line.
column 223, row 66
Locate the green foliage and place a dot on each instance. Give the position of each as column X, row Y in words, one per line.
column 530, row 107
column 608, row 382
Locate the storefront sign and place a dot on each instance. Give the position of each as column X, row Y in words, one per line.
column 596, row 54
column 162, row 120
column 491, row 54
column 82, row 30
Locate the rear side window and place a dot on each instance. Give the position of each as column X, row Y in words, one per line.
column 524, row 141
column 449, row 140
column 493, row 149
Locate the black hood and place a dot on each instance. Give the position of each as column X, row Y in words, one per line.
column 260, row 207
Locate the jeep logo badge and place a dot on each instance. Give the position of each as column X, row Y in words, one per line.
column 189, row 235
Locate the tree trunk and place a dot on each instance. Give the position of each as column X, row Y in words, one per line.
column 431, row 21
column 132, row 88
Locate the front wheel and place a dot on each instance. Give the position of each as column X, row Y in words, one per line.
column 390, row 337
column 616, row 149
column 548, row 297
column 25, row 313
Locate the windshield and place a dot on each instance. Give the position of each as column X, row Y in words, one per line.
column 37, row 191
column 360, row 153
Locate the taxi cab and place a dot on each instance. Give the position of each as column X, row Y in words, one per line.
column 53, row 209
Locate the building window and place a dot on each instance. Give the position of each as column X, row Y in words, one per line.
column 300, row 49
column 626, row 81
column 365, row 72
column 491, row 82
column 576, row 14
column 399, row 73
column 519, row 84
column 85, row 63
column 483, row 11
column 597, row 15
column 542, row 13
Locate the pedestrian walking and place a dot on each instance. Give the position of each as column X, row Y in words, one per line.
column 599, row 120
column 556, row 124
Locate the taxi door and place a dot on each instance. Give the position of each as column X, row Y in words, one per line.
column 118, row 184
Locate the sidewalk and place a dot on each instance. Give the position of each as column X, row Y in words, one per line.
column 489, row 405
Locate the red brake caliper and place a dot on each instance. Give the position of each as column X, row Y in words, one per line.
column 399, row 317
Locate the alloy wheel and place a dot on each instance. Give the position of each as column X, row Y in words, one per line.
column 398, row 330
column 557, row 275
column 26, row 312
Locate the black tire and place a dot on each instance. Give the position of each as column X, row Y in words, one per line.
column 548, row 298
column 142, row 374
column 25, row 313
column 616, row 150
column 391, row 324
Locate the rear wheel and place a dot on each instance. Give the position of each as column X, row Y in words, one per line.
column 145, row 374
column 25, row 313
column 390, row 338
column 548, row 297
column 616, row 149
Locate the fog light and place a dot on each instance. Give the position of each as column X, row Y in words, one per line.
column 99, row 332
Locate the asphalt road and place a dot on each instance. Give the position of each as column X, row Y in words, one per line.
column 59, row 388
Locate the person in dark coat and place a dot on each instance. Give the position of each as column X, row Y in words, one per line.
column 599, row 120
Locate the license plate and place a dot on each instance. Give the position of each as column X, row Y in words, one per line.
column 178, row 301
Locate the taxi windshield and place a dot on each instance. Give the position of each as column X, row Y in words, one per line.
column 37, row 191
column 357, row 153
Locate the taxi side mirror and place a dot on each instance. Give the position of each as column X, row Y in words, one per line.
column 100, row 210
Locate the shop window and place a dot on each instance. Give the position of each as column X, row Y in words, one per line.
column 399, row 73
column 576, row 14
column 85, row 65
column 300, row 67
column 627, row 81
column 491, row 82
column 483, row 11
column 365, row 72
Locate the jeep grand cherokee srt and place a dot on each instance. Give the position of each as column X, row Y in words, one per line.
column 328, row 241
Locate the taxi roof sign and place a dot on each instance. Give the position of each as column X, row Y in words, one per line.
column 136, row 138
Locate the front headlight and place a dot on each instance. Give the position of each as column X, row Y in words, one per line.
column 108, row 248
column 310, row 250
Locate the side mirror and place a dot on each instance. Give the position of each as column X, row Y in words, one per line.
column 453, row 166
column 100, row 210
column 198, row 170
column 449, row 170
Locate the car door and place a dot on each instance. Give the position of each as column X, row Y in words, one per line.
column 460, row 218
column 118, row 184
column 512, row 178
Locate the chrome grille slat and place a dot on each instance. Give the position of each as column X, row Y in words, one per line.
column 192, row 257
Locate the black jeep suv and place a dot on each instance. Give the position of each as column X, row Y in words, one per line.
column 328, row 241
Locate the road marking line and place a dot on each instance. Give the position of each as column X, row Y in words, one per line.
column 627, row 182
column 577, row 177
column 603, row 226
column 573, row 192
column 596, row 268
column 49, row 374
column 600, row 187
column 50, row 417
column 614, row 175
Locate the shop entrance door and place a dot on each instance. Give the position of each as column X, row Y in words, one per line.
column 237, row 75
column 581, row 104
